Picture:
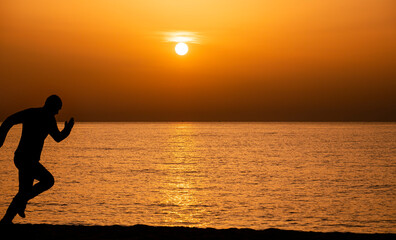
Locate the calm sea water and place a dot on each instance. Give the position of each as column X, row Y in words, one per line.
column 301, row 176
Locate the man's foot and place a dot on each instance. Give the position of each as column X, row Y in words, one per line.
column 5, row 221
column 21, row 210
column 20, row 206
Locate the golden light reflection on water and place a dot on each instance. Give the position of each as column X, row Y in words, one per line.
column 180, row 190
column 321, row 177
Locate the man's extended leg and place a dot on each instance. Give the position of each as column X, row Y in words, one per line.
column 18, row 204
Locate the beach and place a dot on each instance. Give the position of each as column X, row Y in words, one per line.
column 75, row 232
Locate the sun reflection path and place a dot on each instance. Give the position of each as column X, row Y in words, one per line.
column 180, row 203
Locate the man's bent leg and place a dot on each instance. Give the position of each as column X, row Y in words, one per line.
column 45, row 178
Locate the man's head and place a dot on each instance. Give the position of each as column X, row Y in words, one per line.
column 53, row 104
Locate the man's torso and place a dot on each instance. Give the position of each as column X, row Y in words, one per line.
column 35, row 128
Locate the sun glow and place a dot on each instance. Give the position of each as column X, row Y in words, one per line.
column 181, row 49
column 184, row 37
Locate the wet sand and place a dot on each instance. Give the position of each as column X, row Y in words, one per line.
column 44, row 231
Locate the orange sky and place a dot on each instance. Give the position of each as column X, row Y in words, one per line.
column 259, row 60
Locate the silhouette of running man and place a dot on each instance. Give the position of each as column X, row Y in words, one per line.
column 37, row 123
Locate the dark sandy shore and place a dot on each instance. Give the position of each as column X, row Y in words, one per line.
column 43, row 231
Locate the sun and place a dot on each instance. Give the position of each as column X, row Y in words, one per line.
column 181, row 48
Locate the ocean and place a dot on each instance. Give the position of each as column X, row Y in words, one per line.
column 297, row 176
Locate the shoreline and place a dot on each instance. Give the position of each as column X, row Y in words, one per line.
column 75, row 232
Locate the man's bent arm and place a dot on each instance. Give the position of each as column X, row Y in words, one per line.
column 8, row 123
column 59, row 136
